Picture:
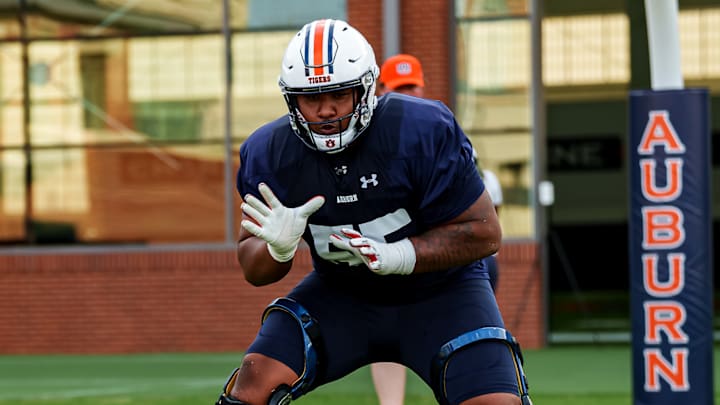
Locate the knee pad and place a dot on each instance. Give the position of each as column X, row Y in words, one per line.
column 279, row 396
column 312, row 345
column 225, row 397
column 283, row 394
column 440, row 362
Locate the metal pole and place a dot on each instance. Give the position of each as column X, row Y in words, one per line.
column 230, row 234
column 452, row 55
column 30, row 237
column 391, row 28
column 539, row 147
column 664, row 44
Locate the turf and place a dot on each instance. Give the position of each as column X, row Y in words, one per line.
column 590, row 375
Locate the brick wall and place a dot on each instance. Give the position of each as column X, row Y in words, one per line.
column 425, row 28
column 143, row 302
column 131, row 302
column 520, row 294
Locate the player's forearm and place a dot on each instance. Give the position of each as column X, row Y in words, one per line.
column 455, row 245
column 258, row 266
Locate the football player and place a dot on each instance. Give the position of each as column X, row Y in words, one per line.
column 386, row 195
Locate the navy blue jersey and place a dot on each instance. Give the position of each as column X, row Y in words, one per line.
column 410, row 170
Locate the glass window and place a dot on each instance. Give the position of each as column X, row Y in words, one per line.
column 264, row 14
column 699, row 36
column 12, row 196
column 101, row 18
column 595, row 49
column 11, row 95
column 9, row 28
column 126, row 109
column 127, row 135
column 178, row 68
column 493, row 107
column 256, row 95
column 489, row 8
column 127, row 91
column 144, row 195
column 583, row 50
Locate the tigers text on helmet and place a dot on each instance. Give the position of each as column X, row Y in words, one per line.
column 325, row 56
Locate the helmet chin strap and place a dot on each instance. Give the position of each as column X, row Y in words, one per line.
column 342, row 138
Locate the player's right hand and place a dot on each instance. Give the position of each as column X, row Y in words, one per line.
column 281, row 227
column 380, row 257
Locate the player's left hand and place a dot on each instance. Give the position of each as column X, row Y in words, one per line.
column 380, row 257
column 281, row 227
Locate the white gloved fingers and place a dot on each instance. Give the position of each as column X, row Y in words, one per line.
column 253, row 213
column 360, row 242
column 368, row 250
column 252, row 227
column 340, row 242
column 258, row 205
column 311, row 206
column 366, row 246
column 351, row 233
column 372, row 257
column 279, row 226
column 340, row 256
column 354, row 242
column 380, row 257
column 269, row 196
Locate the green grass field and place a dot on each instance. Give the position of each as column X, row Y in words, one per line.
column 589, row 375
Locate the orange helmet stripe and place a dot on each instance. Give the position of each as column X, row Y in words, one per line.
column 318, row 48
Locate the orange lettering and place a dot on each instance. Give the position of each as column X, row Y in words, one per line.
column 666, row 316
column 662, row 227
column 676, row 275
column 673, row 183
column 675, row 373
column 659, row 131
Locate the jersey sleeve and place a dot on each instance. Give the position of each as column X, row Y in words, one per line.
column 448, row 179
column 243, row 183
column 255, row 159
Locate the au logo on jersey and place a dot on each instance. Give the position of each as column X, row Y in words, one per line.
column 340, row 170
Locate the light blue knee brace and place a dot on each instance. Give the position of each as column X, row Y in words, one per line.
column 440, row 363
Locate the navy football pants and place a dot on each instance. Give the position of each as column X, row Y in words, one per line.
column 357, row 331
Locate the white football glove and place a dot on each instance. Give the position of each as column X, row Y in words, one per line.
column 380, row 257
column 281, row 227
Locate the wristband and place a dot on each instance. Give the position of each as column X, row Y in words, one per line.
column 401, row 261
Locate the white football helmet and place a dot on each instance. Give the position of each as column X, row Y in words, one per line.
column 345, row 60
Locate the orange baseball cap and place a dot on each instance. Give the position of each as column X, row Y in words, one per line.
column 401, row 70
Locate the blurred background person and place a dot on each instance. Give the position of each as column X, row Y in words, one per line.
column 402, row 73
column 492, row 185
